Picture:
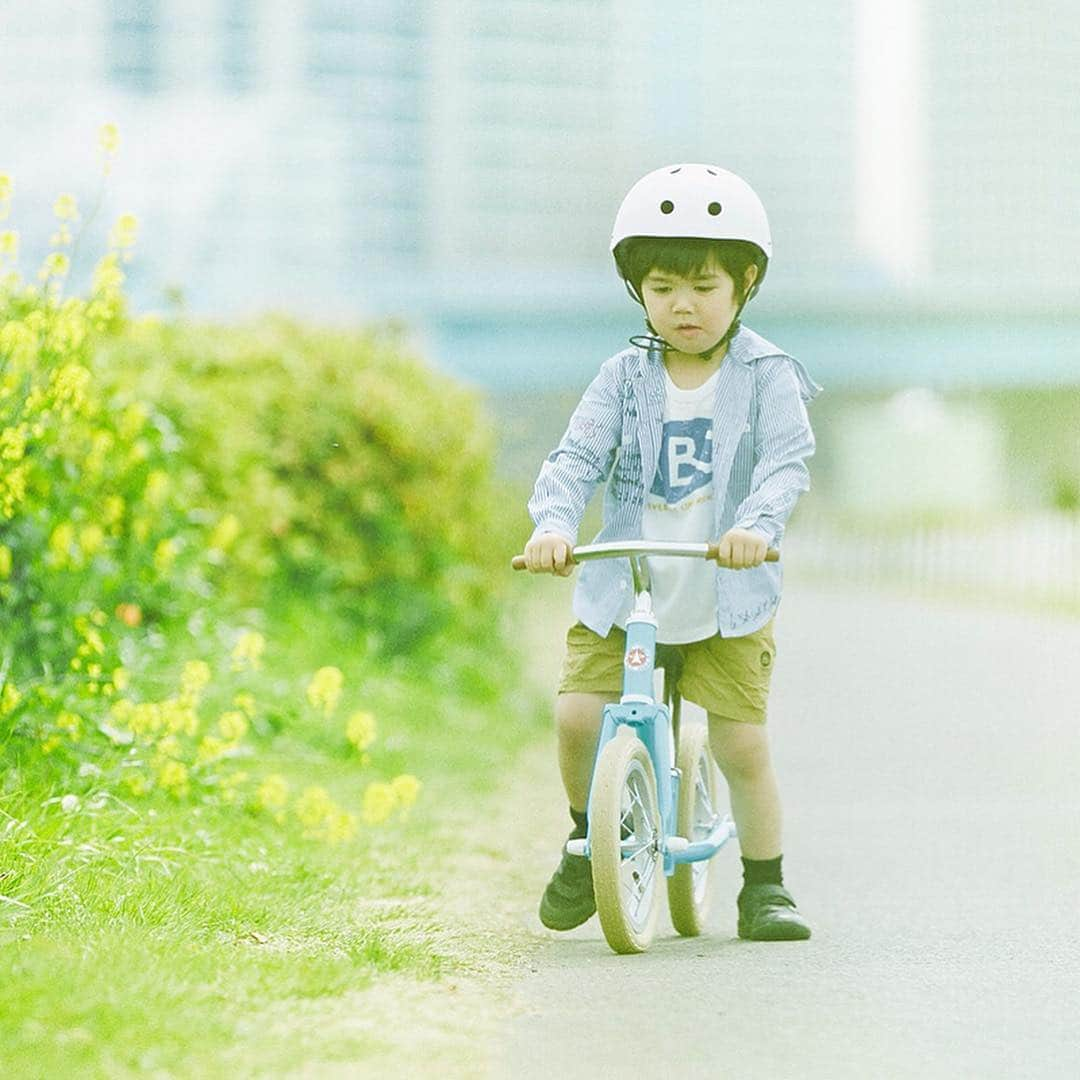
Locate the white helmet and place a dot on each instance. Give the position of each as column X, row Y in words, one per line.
column 697, row 201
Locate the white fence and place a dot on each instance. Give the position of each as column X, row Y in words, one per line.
column 1033, row 559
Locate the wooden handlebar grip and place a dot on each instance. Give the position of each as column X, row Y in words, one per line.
column 772, row 555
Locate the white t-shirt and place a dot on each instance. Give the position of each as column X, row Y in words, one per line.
column 680, row 506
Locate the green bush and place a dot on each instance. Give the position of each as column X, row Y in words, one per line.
column 350, row 470
column 172, row 495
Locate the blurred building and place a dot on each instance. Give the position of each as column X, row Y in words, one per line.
column 353, row 151
column 465, row 159
column 1004, row 140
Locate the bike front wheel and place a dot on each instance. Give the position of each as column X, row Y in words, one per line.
column 689, row 888
column 625, row 838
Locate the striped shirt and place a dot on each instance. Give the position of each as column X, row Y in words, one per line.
column 761, row 440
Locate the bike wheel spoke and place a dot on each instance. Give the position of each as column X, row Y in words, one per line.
column 645, row 891
column 638, row 850
column 703, row 800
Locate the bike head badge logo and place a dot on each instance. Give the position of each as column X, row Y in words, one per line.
column 636, row 657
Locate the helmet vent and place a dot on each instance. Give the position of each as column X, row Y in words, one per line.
column 667, row 206
column 674, row 171
column 712, row 172
column 715, row 208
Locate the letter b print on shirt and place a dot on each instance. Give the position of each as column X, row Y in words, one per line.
column 685, row 459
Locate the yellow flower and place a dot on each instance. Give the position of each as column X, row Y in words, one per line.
column 144, row 719
column 120, row 678
column 339, row 826
column 173, row 776
column 50, row 744
column 9, row 243
column 68, row 387
column 191, row 722
column 247, row 653
column 91, row 539
column 123, row 232
column 225, row 532
column 193, row 679
column 380, row 801
column 246, row 704
column 20, row 341
column 61, row 543
column 313, row 804
column 99, row 451
column 233, row 726
column 169, row 748
column 69, row 722
column 132, row 420
column 136, row 784
column 324, row 690
column 65, row 208
column 9, row 698
column 175, row 714
column 108, row 277
column 93, row 645
column 113, row 510
column 157, row 487
column 5, row 562
column 56, row 264
column 165, row 555
column 109, row 139
column 12, row 489
column 273, row 792
column 13, row 443
column 360, row 730
column 6, row 187
column 210, row 748
column 406, row 788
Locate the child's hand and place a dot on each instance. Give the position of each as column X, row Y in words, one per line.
column 740, row 549
column 549, row 553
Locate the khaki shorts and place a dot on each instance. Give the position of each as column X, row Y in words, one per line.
column 728, row 677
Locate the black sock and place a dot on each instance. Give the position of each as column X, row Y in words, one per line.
column 581, row 824
column 763, row 871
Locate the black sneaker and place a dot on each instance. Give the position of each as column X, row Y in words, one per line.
column 767, row 913
column 568, row 900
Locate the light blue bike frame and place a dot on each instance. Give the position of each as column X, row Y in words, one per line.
column 639, row 709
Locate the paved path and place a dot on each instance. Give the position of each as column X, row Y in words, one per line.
column 929, row 762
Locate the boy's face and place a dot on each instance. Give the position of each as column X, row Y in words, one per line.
column 694, row 313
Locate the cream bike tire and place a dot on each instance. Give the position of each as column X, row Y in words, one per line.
column 625, row 832
column 690, row 887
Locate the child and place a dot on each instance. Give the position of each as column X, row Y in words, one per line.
column 701, row 432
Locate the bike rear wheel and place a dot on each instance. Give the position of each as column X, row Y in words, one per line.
column 625, row 835
column 690, row 887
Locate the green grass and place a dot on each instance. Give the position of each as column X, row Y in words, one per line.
column 151, row 935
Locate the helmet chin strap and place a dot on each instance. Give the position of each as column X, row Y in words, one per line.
column 653, row 340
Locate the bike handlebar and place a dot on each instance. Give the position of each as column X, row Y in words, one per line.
column 614, row 549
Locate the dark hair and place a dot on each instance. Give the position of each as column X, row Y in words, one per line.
column 686, row 256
